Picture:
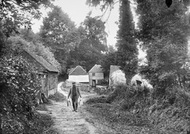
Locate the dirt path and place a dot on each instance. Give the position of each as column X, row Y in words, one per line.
column 68, row 122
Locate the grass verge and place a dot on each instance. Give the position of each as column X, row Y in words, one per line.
column 129, row 112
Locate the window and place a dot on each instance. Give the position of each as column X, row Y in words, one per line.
column 93, row 74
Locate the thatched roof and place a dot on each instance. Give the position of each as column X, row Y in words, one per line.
column 96, row 69
column 43, row 62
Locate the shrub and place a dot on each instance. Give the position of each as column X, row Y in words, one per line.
column 102, row 90
column 169, row 113
column 120, row 92
column 83, row 87
column 18, row 85
column 100, row 99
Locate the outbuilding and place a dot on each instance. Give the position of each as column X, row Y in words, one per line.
column 46, row 71
column 95, row 75
column 78, row 74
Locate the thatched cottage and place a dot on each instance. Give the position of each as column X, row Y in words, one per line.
column 46, row 71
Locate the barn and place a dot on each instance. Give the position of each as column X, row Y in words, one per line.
column 78, row 74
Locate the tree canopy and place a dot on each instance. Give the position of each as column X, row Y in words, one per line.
column 59, row 33
column 164, row 35
column 95, row 32
column 92, row 45
column 127, row 44
column 18, row 13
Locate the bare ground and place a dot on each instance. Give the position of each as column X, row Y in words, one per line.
column 68, row 122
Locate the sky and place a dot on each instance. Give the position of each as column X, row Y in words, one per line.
column 78, row 10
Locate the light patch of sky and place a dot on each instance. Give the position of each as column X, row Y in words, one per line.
column 133, row 5
column 78, row 10
column 142, row 54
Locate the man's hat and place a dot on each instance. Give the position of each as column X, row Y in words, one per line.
column 74, row 83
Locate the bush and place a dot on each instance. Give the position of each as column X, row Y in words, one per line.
column 83, row 87
column 120, row 92
column 101, row 99
column 167, row 114
column 102, row 90
column 40, row 124
column 18, row 85
column 12, row 125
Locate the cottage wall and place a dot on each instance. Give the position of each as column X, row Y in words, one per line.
column 79, row 78
column 44, row 80
column 96, row 77
column 52, row 83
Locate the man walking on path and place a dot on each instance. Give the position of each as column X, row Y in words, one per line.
column 74, row 93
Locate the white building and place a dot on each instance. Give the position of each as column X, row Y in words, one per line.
column 79, row 75
column 95, row 75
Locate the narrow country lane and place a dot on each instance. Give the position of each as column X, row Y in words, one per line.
column 68, row 122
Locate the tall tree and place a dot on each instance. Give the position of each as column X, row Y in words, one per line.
column 92, row 45
column 110, row 58
column 29, row 35
column 17, row 13
column 127, row 45
column 59, row 33
column 95, row 33
column 164, row 36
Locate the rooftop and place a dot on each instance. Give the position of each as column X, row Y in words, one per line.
column 43, row 62
column 78, row 70
column 96, row 69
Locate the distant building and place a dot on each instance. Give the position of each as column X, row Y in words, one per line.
column 116, row 76
column 78, row 74
column 95, row 75
column 46, row 71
